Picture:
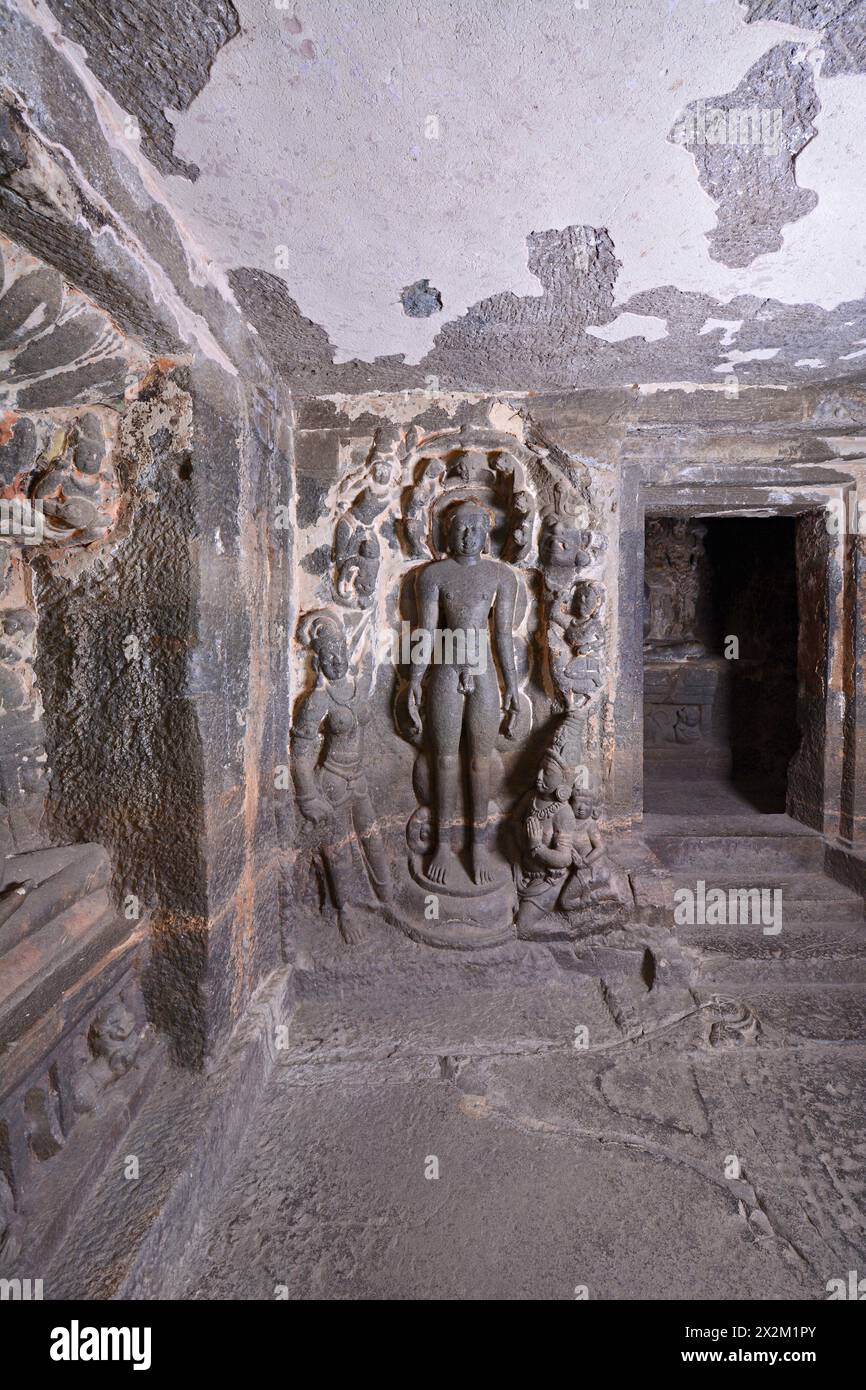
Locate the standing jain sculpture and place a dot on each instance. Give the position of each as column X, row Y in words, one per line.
column 462, row 700
column 328, row 771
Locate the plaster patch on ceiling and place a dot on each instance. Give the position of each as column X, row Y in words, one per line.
column 809, row 362
column 744, row 144
column 624, row 326
column 512, row 343
column 842, row 24
column 154, row 56
column 736, row 358
column 729, row 328
column 343, row 148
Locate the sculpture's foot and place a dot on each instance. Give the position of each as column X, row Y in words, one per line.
column 352, row 928
column 482, row 872
column 528, row 914
column 439, row 868
column 383, row 889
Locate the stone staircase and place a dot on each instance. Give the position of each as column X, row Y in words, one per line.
column 823, row 927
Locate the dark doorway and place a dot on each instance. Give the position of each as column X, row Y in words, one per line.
column 720, row 664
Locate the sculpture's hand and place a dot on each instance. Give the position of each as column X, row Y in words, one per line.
column 316, row 809
column 511, row 708
column 413, row 708
column 534, row 831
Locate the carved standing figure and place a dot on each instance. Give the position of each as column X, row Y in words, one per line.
column 460, row 594
column 328, row 771
column 674, row 550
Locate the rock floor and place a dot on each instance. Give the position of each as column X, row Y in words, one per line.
column 515, row 1124
column 701, row 1138
column 656, row 1166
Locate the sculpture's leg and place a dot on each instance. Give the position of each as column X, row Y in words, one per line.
column 337, row 856
column 482, row 725
column 370, row 840
column 447, row 766
column 445, row 710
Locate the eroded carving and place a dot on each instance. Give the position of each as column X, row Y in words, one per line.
column 574, row 606
column 357, row 551
column 60, row 487
column 674, row 551
column 114, row 1041
column 563, row 866
column 329, row 773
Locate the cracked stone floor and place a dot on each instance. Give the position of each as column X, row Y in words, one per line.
column 538, row 1121
column 695, row 1135
column 606, row 1167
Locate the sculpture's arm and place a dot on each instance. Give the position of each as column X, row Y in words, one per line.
column 557, row 855
column 342, row 538
column 503, row 629
column 597, row 851
column 364, row 675
column 427, row 594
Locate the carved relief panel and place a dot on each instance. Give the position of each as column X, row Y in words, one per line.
column 458, row 626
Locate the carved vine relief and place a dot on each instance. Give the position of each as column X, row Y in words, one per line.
column 466, row 588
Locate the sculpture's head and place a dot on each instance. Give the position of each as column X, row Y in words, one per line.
column 561, row 543
column 380, row 471
column 468, row 529
column 331, row 658
column 323, row 634
column 553, row 779
column 582, row 807
column 587, row 598
column 118, row 1023
column 560, row 763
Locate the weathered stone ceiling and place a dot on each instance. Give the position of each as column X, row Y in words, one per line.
column 514, row 193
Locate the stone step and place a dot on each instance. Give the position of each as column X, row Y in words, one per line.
column 721, row 851
column 805, row 940
column 805, row 897
column 731, row 973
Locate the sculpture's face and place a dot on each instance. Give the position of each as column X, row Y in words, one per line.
column 118, row 1023
column 582, row 809
column 333, row 661
column 560, row 545
column 550, row 777
column 587, row 602
column 467, row 534
column 381, row 474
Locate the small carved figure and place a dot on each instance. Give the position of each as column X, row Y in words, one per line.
column 575, row 629
column 416, row 507
column 114, row 1042
column 687, row 728
column 463, row 703
column 356, row 545
column 674, row 548
column 580, row 664
column 563, row 861
column 328, row 750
